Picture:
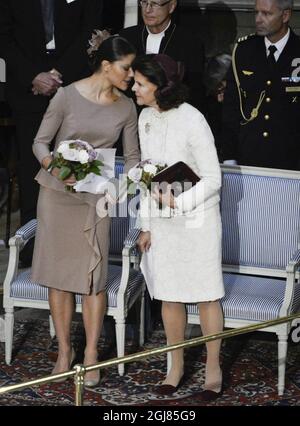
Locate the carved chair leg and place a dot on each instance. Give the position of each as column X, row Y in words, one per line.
column 9, row 331
column 142, row 320
column 282, row 353
column 120, row 336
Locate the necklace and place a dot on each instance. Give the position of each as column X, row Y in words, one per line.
column 168, row 41
column 156, row 128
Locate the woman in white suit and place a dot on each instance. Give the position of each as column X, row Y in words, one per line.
column 186, row 242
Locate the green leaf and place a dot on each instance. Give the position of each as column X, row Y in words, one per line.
column 80, row 176
column 95, row 170
column 64, row 173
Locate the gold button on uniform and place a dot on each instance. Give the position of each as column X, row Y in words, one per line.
column 269, row 82
column 265, row 134
column 268, row 100
column 267, row 117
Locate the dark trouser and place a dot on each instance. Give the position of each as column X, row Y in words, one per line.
column 27, row 125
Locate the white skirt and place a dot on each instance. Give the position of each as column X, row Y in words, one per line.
column 185, row 258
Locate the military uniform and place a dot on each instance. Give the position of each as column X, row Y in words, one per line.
column 261, row 110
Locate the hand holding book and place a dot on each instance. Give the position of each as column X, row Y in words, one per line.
column 171, row 182
column 164, row 182
column 178, row 172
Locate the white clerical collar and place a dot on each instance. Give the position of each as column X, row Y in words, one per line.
column 280, row 44
column 154, row 40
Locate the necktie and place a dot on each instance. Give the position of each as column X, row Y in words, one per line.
column 271, row 57
column 48, row 18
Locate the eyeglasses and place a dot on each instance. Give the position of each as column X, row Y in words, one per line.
column 153, row 4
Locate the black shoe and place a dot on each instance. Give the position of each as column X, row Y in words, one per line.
column 209, row 395
column 168, row 389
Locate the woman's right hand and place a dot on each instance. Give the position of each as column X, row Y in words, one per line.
column 46, row 163
column 70, row 181
column 144, row 241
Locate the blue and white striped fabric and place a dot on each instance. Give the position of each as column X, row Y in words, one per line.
column 261, row 222
column 253, row 298
column 24, row 288
column 119, row 167
column 118, row 233
column 28, row 230
column 113, row 284
column 132, row 237
column 122, row 222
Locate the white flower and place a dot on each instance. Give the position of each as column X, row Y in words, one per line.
column 150, row 168
column 135, row 174
column 71, row 154
column 83, row 156
column 63, row 147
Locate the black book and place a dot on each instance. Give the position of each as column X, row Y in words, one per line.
column 178, row 172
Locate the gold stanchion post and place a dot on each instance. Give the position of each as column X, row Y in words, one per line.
column 79, row 382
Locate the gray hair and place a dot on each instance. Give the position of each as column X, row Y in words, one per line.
column 285, row 4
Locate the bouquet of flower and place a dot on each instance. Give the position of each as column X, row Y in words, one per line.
column 78, row 158
column 142, row 174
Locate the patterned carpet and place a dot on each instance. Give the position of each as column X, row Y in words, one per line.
column 249, row 365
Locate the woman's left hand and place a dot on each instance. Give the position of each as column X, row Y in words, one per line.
column 166, row 198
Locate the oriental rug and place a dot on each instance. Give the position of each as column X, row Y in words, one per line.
column 249, row 369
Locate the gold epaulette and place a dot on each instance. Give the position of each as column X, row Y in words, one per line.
column 246, row 37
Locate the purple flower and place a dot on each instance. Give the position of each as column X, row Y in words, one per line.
column 92, row 155
column 144, row 162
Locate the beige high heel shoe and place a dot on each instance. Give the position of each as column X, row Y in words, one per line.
column 63, row 379
column 91, row 383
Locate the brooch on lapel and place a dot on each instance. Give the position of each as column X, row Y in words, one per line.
column 245, row 72
column 147, row 128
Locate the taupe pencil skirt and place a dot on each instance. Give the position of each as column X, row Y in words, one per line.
column 71, row 245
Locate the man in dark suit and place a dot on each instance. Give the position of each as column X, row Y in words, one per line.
column 159, row 34
column 44, row 45
column 261, row 107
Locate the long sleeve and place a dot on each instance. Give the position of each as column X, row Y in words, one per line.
column 23, row 69
column 51, row 122
column 143, row 218
column 130, row 140
column 202, row 148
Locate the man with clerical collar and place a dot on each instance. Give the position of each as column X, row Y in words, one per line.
column 262, row 99
column 160, row 34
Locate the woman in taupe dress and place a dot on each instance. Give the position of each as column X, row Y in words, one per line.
column 72, row 242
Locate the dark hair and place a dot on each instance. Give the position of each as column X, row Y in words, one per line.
column 166, row 74
column 111, row 49
column 216, row 72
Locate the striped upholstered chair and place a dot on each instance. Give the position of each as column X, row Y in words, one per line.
column 260, row 211
column 125, row 284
